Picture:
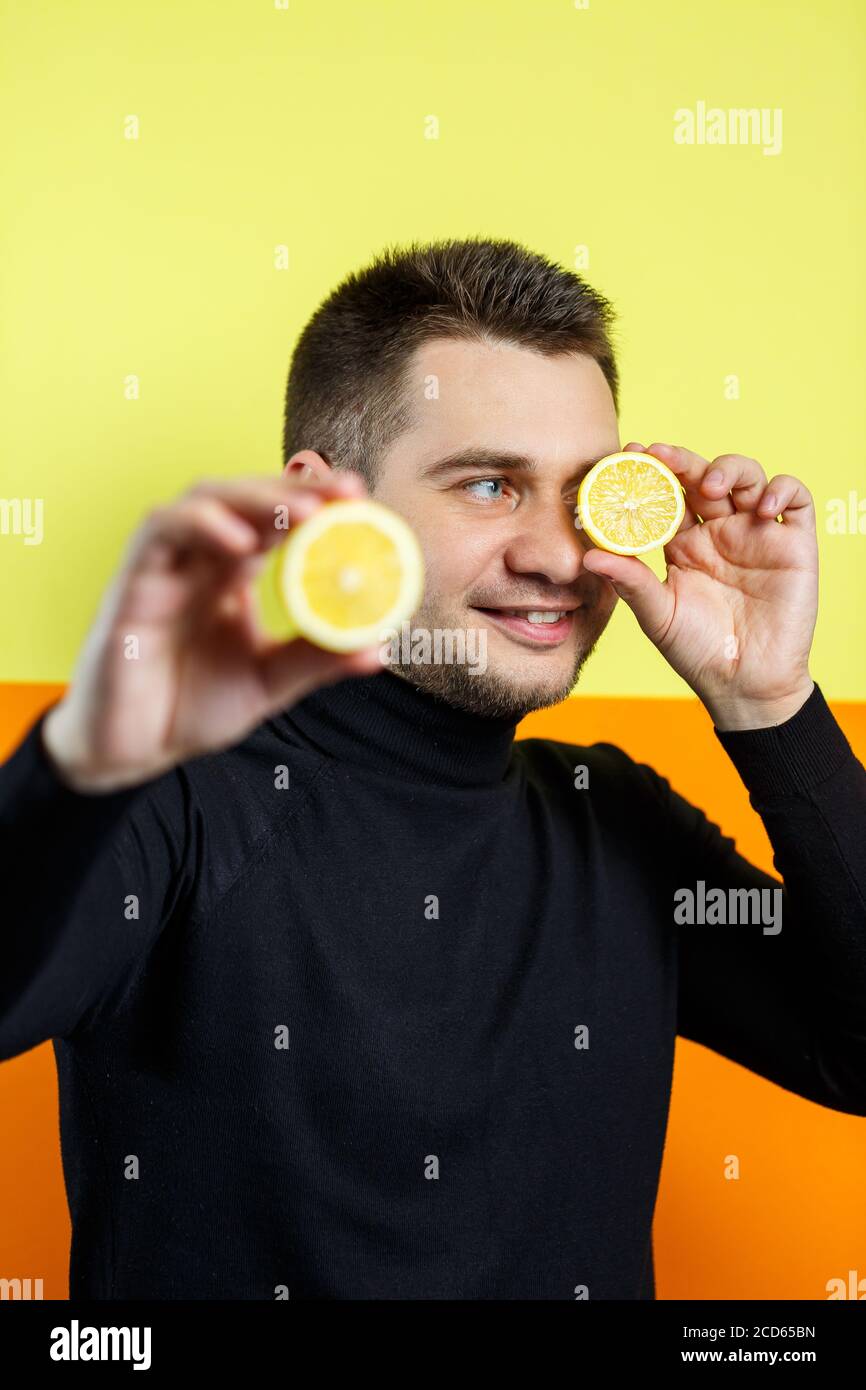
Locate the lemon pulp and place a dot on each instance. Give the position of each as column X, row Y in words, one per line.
column 349, row 573
column 629, row 503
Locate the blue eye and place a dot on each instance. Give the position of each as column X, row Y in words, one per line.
column 487, row 482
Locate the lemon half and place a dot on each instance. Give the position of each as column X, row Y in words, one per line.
column 629, row 503
column 348, row 573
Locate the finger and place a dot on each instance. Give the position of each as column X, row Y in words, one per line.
column 634, row 581
column 741, row 478
column 691, row 468
column 690, row 518
column 239, row 602
column 275, row 504
column 230, row 518
column 290, row 670
column 333, row 484
column 201, row 524
column 223, row 588
column 786, row 496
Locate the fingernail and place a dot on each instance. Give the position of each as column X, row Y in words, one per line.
column 717, row 476
column 770, row 501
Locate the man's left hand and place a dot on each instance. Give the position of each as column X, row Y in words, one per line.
column 736, row 612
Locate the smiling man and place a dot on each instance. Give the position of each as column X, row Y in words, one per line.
column 492, row 418
column 352, row 995
column 488, row 476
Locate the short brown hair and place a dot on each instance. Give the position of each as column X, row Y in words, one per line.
column 346, row 395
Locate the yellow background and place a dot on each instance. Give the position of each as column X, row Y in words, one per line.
column 305, row 127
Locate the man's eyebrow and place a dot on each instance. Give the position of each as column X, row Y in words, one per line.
column 492, row 461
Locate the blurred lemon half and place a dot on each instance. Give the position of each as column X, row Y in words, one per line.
column 348, row 573
column 629, row 503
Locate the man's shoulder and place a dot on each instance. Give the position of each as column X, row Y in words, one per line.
column 602, row 768
column 219, row 810
column 258, row 782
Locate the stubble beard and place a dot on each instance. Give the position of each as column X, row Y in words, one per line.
column 489, row 693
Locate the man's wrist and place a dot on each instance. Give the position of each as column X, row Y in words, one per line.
column 54, row 744
column 57, row 741
column 733, row 715
column 794, row 757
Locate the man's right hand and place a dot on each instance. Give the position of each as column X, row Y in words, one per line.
column 176, row 664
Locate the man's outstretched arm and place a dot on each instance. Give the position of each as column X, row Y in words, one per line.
column 789, row 1004
column 89, row 882
column 97, row 824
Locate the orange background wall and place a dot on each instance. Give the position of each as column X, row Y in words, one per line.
column 795, row 1218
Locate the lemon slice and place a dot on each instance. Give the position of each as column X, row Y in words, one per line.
column 348, row 573
column 629, row 503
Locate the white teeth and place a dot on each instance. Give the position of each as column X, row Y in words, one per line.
column 536, row 617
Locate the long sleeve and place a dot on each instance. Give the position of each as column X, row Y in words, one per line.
column 788, row 1003
column 89, row 882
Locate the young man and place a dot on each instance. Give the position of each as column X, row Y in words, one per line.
column 352, row 996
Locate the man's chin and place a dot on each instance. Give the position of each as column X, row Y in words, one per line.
column 498, row 692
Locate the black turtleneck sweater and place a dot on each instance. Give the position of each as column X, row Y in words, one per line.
column 381, row 1004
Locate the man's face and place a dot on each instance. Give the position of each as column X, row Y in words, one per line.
column 498, row 533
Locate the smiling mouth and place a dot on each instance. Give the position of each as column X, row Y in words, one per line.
column 538, row 626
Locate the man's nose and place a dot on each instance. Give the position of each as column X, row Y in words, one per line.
column 546, row 541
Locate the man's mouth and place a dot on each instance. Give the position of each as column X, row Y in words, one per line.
column 539, row 626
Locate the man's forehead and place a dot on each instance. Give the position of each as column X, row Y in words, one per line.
column 453, row 373
column 459, row 355
column 504, row 400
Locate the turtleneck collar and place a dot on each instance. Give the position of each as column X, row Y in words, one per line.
column 391, row 726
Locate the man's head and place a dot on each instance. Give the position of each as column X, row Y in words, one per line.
column 472, row 383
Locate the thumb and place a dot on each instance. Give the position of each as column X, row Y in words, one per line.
column 646, row 596
column 290, row 670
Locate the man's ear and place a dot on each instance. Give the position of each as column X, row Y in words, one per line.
column 307, row 466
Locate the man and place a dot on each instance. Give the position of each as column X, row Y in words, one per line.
column 351, row 995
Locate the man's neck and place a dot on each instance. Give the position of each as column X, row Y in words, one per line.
column 392, row 726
